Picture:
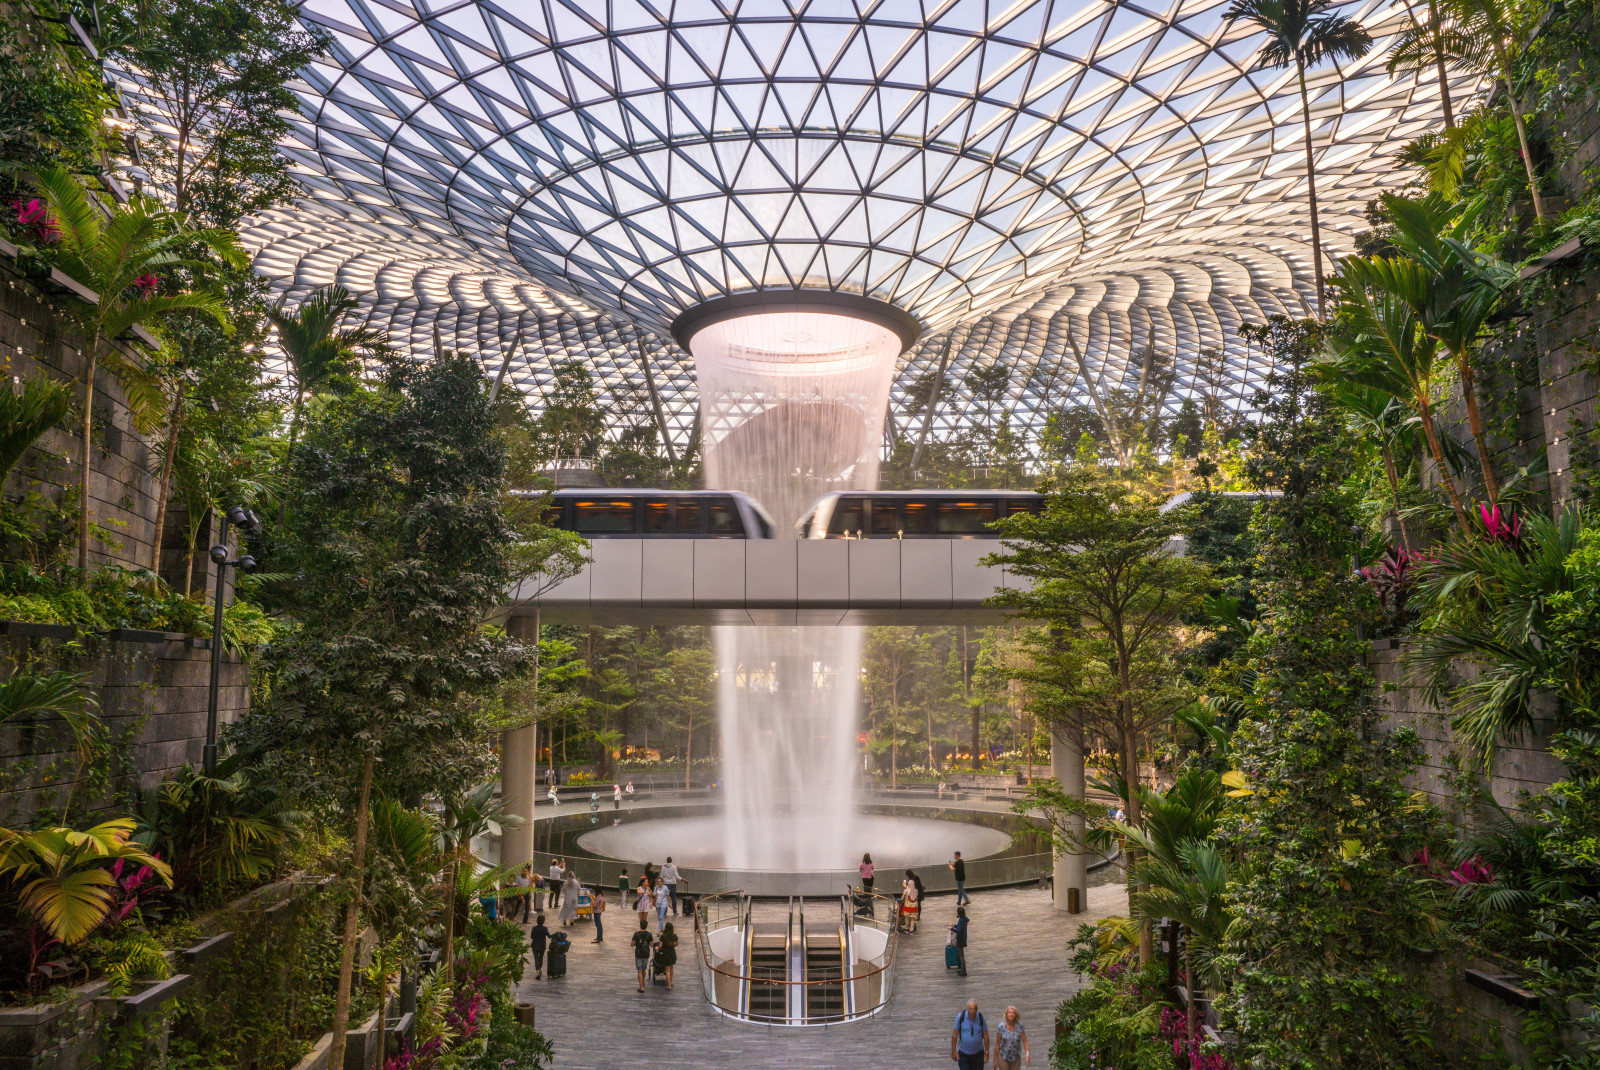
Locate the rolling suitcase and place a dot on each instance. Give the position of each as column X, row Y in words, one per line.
column 557, row 964
column 952, row 957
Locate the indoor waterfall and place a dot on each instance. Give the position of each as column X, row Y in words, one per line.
column 792, row 406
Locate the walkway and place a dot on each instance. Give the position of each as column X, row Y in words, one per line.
column 598, row 1021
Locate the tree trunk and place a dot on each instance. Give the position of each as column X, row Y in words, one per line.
column 1130, row 776
column 688, row 753
column 83, row 454
column 1439, row 65
column 1522, row 129
column 352, row 919
column 1394, row 488
column 448, row 964
column 977, row 714
column 1190, row 1010
column 163, row 493
column 1469, row 394
column 932, row 764
column 1432, row 435
column 1311, row 188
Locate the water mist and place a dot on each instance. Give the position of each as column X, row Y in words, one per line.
column 791, row 407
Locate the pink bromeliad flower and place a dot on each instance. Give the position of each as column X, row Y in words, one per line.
column 35, row 215
column 1506, row 528
column 147, row 284
column 1473, row 871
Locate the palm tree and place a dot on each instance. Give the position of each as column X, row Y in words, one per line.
column 65, row 887
column 465, row 818
column 1378, row 416
column 1378, row 342
column 1463, row 289
column 1303, row 33
column 119, row 252
column 1189, row 887
column 58, row 693
column 323, row 355
column 1424, row 46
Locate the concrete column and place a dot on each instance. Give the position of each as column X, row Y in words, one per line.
column 1071, row 871
column 519, row 750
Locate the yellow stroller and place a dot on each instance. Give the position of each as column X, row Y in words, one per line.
column 585, row 906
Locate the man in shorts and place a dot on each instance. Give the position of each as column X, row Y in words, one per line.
column 643, row 944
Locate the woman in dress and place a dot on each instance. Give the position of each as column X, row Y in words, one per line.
column 645, row 901
column 669, row 952
column 1011, row 1043
column 569, row 899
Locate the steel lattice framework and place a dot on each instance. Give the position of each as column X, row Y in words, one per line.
column 1047, row 183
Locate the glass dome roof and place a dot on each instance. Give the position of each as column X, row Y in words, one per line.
column 1048, row 183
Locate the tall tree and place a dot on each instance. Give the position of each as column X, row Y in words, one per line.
column 896, row 663
column 1303, row 33
column 325, row 356
column 400, row 551
column 122, row 253
column 220, row 71
column 686, row 678
column 1112, row 597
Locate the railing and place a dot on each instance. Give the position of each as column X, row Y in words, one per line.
column 726, row 976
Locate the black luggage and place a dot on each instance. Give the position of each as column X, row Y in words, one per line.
column 556, row 957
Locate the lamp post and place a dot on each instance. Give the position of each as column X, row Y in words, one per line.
column 239, row 518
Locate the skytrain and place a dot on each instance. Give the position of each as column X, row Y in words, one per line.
column 722, row 514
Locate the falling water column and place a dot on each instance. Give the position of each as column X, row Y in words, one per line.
column 792, row 407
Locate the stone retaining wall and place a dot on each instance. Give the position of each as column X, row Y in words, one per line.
column 153, row 698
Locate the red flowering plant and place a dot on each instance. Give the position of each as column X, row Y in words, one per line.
column 36, row 224
column 1392, row 579
column 1503, row 528
column 147, row 284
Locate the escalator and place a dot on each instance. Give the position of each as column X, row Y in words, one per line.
column 824, row 964
column 768, row 969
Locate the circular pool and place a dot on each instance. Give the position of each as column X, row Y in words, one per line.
column 895, row 842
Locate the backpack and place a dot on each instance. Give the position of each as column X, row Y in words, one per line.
column 983, row 1027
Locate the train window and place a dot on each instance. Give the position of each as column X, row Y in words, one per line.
column 1023, row 505
column 966, row 518
column 846, row 516
column 918, row 517
column 602, row 517
column 724, row 519
column 885, row 518
column 672, row 516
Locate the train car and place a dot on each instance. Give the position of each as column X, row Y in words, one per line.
column 913, row 514
column 660, row 514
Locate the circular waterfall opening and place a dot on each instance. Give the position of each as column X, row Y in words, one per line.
column 696, row 841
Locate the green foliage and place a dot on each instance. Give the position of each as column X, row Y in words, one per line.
column 1325, row 898
column 60, row 876
column 220, row 834
column 1114, row 1021
column 509, row 1045
column 51, row 95
column 59, row 694
column 113, row 597
column 26, row 412
column 127, row 956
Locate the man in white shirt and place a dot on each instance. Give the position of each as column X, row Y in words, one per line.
column 669, row 877
column 558, row 873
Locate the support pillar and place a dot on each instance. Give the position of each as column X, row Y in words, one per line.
column 1071, row 870
column 519, row 755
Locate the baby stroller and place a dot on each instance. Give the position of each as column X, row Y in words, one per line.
column 658, row 966
column 863, row 904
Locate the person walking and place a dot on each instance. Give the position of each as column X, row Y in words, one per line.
column 866, row 871
column 642, row 946
column 569, row 900
column 623, row 884
column 556, row 875
column 538, row 941
column 663, row 902
column 598, row 909
column 669, row 952
column 1011, row 1042
column 616, row 796
column 959, row 868
column 959, row 929
column 969, row 1040
column 669, row 877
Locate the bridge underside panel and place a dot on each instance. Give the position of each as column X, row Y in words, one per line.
column 759, row 582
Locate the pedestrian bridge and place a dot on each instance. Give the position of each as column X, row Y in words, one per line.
column 812, row 582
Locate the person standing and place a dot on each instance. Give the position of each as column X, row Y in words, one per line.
column 642, row 946
column 663, row 902
column 569, row 900
column 1011, row 1042
column 623, row 884
column 969, row 1040
column 669, row 952
column 644, row 902
column 959, row 868
column 598, row 908
column 866, row 871
column 556, row 875
column 960, row 931
column 538, row 941
column 669, row 877
column 522, row 885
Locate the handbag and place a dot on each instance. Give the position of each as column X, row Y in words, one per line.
column 950, row 939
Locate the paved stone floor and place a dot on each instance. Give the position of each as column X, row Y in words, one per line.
column 598, row 1021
